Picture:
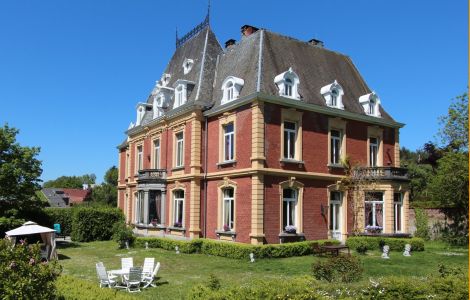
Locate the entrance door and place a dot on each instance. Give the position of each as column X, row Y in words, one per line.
column 335, row 215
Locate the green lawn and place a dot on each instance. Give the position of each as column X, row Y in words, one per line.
column 179, row 272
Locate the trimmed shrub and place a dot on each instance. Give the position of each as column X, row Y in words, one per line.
column 94, row 223
column 342, row 268
column 231, row 250
column 62, row 216
column 23, row 274
column 71, row 288
column 451, row 287
column 122, row 234
column 374, row 242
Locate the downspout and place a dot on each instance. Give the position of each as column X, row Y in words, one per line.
column 205, row 177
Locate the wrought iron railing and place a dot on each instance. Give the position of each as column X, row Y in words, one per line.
column 152, row 174
column 192, row 33
column 382, row 173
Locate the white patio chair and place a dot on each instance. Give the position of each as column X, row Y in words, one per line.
column 105, row 280
column 149, row 264
column 148, row 279
column 133, row 280
column 127, row 263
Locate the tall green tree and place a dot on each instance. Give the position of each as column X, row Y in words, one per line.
column 454, row 130
column 19, row 174
column 106, row 193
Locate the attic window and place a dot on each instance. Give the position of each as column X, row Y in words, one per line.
column 288, row 84
column 333, row 95
column 158, row 103
column 231, row 88
column 182, row 90
column 370, row 103
column 141, row 108
column 187, row 65
column 165, row 79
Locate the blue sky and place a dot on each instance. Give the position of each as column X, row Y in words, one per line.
column 71, row 72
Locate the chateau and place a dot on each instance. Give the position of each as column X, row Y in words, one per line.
column 245, row 142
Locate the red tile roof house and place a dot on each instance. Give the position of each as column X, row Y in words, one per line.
column 59, row 197
column 244, row 143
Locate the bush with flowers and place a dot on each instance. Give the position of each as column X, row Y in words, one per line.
column 23, row 274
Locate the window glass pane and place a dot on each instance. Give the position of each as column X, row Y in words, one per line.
column 288, row 193
column 337, row 216
column 331, row 216
column 368, row 214
column 379, row 214
column 291, row 145
column 291, row 213
column 284, row 214
column 289, row 125
column 286, row 144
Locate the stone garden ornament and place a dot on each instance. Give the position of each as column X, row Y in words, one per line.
column 407, row 250
column 177, row 249
column 252, row 257
column 385, row 251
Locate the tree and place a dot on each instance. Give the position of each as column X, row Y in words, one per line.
column 419, row 171
column 71, row 182
column 107, row 192
column 19, row 175
column 454, row 131
column 449, row 186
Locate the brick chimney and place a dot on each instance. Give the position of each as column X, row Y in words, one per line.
column 316, row 43
column 230, row 42
column 248, row 30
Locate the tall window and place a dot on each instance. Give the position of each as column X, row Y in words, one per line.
column 230, row 91
column 155, row 203
column 398, row 211
column 289, row 206
column 290, row 136
column 179, row 96
column 334, row 97
column 374, row 214
column 156, row 147
column 372, row 107
column 335, row 147
column 139, row 207
column 140, row 158
column 288, row 87
column 228, row 208
column 179, row 149
column 178, row 208
column 228, row 142
column 335, row 214
column 373, row 151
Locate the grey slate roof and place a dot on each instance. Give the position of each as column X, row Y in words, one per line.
column 56, row 197
column 315, row 66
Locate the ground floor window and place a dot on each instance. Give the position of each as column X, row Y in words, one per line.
column 155, row 207
column 289, row 208
column 335, row 214
column 139, row 207
column 374, row 214
column 398, row 212
column 228, row 209
column 178, row 208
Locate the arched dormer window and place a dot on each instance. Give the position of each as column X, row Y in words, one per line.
column 158, row 103
column 182, row 91
column 231, row 88
column 141, row 108
column 165, row 80
column 187, row 65
column 370, row 103
column 333, row 95
column 288, row 84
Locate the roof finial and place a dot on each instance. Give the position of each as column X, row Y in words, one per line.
column 176, row 36
column 208, row 10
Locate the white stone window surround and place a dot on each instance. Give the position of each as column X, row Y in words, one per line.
column 231, row 88
column 165, row 79
column 181, row 92
column 187, row 65
column 333, row 95
column 141, row 108
column 288, row 84
column 370, row 103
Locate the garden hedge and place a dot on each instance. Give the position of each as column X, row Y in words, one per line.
column 94, row 223
column 373, row 243
column 62, row 216
column 229, row 249
column 71, row 288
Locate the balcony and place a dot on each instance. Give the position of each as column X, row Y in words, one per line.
column 151, row 176
column 380, row 173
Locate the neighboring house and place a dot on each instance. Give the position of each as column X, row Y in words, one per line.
column 238, row 143
column 59, row 197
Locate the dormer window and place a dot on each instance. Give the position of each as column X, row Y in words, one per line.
column 182, row 90
column 333, row 95
column 187, row 65
column 141, row 108
column 370, row 103
column 165, row 80
column 288, row 84
column 231, row 88
column 158, row 102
